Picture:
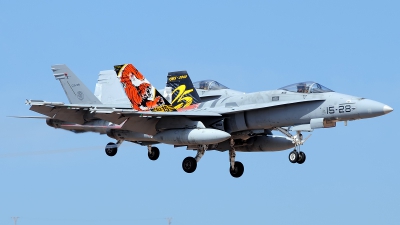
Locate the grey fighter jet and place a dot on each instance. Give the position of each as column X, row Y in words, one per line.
column 224, row 119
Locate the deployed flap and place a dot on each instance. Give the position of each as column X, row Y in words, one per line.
column 61, row 113
column 75, row 90
column 184, row 95
column 108, row 89
column 74, row 117
column 44, row 110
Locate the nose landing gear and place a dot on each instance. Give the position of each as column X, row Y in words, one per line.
column 295, row 156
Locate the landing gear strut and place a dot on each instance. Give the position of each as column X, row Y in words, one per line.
column 236, row 169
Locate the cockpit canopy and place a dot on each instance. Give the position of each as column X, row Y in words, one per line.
column 209, row 85
column 306, row 87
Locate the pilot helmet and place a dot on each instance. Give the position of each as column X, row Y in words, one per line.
column 301, row 87
column 204, row 85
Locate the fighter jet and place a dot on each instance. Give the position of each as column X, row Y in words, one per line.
column 224, row 120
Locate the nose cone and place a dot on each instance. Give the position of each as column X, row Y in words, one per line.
column 369, row 108
column 387, row 109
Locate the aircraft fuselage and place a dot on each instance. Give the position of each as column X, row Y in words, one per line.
column 290, row 109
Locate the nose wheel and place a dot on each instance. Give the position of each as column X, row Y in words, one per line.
column 293, row 156
column 302, row 158
column 297, row 157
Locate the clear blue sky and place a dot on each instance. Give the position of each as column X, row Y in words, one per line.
column 50, row 176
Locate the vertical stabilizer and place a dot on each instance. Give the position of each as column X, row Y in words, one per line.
column 76, row 91
column 184, row 95
column 141, row 94
column 108, row 89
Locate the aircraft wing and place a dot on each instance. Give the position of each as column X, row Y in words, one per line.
column 76, row 113
column 118, row 113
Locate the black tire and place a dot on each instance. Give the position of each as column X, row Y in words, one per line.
column 155, row 153
column 302, row 158
column 111, row 149
column 189, row 164
column 293, row 156
column 238, row 170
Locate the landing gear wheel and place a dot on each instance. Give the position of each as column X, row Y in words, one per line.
column 293, row 156
column 238, row 170
column 155, row 153
column 111, row 149
column 302, row 158
column 189, row 164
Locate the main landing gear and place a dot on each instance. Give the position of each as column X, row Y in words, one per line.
column 153, row 153
column 112, row 149
column 189, row 164
column 236, row 169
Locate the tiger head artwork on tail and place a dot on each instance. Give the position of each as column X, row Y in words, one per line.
column 142, row 95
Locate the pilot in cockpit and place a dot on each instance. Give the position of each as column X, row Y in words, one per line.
column 301, row 88
column 204, row 85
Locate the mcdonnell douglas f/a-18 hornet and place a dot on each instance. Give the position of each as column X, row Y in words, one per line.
column 200, row 116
